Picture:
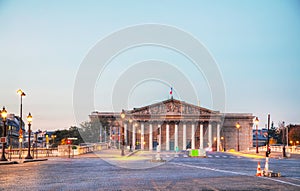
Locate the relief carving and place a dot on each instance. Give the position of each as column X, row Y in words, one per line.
column 172, row 107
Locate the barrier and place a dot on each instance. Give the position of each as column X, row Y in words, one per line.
column 258, row 170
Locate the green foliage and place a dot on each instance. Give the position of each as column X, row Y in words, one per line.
column 61, row 135
column 88, row 132
column 294, row 134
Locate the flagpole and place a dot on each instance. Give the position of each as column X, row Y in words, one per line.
column 171, row 92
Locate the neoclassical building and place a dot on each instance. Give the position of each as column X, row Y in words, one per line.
column 177, row 124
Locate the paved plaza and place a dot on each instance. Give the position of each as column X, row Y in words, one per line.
column 107, row 170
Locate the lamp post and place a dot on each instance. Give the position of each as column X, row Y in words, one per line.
column 256, row 133
column 29, row 119
column 10, row 142
column 122, row 132
column 3, row 139
column 268, row 140
column 223, row 143
column 36, row 142
column 21, row 93
column 53, row 139
column 238, row 135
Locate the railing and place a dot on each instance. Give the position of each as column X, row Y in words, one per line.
column 36, row 152
column 279, row 148
column 61, row 150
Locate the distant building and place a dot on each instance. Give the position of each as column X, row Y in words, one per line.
column 13, row 127
column 262, row 137
column 177, row 124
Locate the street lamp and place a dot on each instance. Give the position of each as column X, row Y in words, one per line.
column 53, row 139
column 21, row 93
column 237, row 125
column 223, row 143
column 3, row 139
column 29, row 119
column 256, row 133
column 122, row 132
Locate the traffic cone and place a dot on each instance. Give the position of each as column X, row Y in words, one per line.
column 258, row 171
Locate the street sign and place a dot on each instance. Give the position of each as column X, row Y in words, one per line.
column 3, row 140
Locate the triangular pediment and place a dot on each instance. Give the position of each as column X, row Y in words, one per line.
column 172, row 107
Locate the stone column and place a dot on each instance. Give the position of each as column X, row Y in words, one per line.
column 218, row 137
column 133, row 136
column 150, row 137
column 193, row 136
column 125, row 133
column 110, row 136
column 167, row 137
column 176, row 135
column 201, row 135
column 142, row 136
column 184, row 137
column 209, row 136
column 119, row 136
column 159, row 136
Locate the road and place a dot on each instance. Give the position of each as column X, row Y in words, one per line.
column 219, row 171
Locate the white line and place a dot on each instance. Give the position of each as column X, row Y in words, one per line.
column 212, row 169
column 295, row 178
column 231, row 172
column 281, row 181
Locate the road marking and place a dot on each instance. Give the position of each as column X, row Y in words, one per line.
column 232, row 172
column 212, row 169
column 295, row 178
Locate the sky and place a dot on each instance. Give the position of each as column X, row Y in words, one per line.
column 254, row 44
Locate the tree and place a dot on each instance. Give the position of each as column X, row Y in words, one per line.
column 272, row 132
column 90, row 130
column 294, row 133
column 281, row 133
column 62, row 135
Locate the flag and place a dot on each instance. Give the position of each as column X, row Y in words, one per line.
column 171, row 91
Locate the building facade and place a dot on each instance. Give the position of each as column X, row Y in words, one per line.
column 13, row 128
column 175, row 124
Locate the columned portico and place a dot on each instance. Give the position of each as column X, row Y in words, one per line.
column 175, row 124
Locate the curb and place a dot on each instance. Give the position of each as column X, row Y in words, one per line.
column 132, row 153
column 8, row 162
column 34, row 160
column 254, row 156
